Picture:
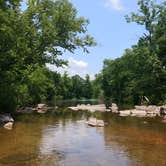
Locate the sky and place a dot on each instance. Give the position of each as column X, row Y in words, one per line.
column 110, row 30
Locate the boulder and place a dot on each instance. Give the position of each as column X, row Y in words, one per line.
column 6, row 121
column 151, row 115
column 141, row 107
column 41, row 108
column 163, row 110
column 138, row 113
column 95, row 123
column 73, row 108
column 151, row 110
column 8, row 126
column 91, row 108
column 114, row 108
column 125, row 113
column 5, row 118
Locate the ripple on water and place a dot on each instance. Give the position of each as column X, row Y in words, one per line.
column 18, row 159
column 68, row 142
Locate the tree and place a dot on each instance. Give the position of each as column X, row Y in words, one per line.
column 88, row 89
column 29, row 39
column 78, row 86
column 141, row 70
column 152, row 16
column 148, row 15
column 97, row 86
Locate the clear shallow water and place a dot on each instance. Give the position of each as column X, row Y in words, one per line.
column 49, row 140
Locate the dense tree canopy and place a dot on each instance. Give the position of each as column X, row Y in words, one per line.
column 28, row 40
column 47, row 28
column 141, row 70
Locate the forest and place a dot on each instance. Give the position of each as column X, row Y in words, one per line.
column 141, row 71
column 41, row 34
column 31, row 38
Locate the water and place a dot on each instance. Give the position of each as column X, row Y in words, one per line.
column 50, row 140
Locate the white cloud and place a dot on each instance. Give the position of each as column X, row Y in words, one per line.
column 74, row 67
column 77, row 64
column 114, row 4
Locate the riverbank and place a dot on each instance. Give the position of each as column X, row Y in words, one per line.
column 138, row 111
column 7, row 121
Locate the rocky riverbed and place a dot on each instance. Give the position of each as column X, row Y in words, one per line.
column 7, row 121
column 138, row 111
column 144, row 111
column 90, row 108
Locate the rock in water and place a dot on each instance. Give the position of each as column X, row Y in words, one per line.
column 125, row 113
column 114, row 108
column 26, row 110
column 41, row 108
column 5, row 118
column 95, row 123
column 163, row 110
column 8, row 126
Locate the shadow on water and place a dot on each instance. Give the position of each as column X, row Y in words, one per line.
column 63, row 139
column 74, row 102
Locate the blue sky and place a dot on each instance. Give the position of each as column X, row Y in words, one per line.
column 110, row 30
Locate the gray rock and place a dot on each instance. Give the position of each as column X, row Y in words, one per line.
column 114, row 108
column 5, row 118
column 138, row 113
column 151, row 110
column 91, row 108
column 26, row 110
column 163, row 110
column 41, row 108
column 95, row 122
column 141, row 107
column 125, row 113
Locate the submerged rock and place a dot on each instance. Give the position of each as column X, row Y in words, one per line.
column 95, row 123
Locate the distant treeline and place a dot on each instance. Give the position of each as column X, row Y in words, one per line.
column 141, row 71
column 40, row 34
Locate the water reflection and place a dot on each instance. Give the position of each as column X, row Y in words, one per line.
column 52, row 141
column 144, row 146
column 80, row 145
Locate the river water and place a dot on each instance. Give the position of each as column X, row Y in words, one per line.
column 65, row 140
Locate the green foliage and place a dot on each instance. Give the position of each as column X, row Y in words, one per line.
column 97, row 87
column 78, row 87
column 141, row 70
column 88, row 89
column 28, row 40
